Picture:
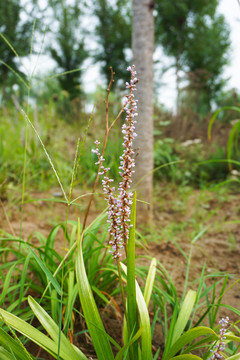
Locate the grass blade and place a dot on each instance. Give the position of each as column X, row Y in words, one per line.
column 8, row 343
column 53, row 330
column 131, row 284
column 47, row 273
column 33, row 334
column 234, row 357
column 186, row 357
column 150, row 281
column 184, row 315
column 120, row 354
column 216, row 114
column 188, row 337
column 6, row 285
column 146, row 341
column 90, row 310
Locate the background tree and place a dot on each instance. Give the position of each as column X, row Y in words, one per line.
column 68, row 48
column 16, row 26
column 205, row 56
column 114, row 36
column 174, row 21
column 143, row 47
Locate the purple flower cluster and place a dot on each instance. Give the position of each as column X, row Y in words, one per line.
column 217, row 349
column 119, row 208
column 127, row 163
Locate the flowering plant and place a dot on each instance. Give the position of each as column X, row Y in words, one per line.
column 137, row 332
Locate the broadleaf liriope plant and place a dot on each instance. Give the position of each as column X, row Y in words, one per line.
column 137, row 338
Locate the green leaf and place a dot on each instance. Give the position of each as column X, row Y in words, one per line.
column 146, row 341
column 170, row 332
column 53, row 330
column 184, row 315
column 5, row 355
column 23, row 277
column 90, row 310
column 125, row 347
column 150, row 281
column 216, row 114
column 47, row 272
column 9, row 343
column 232, row 337
column 7, row 283
column 34, row 335
column 188, row 337
column 54, row 307
column 131, row 284
column 197, row 344
column 234, row 357
column 186, row 357
column 232, row 136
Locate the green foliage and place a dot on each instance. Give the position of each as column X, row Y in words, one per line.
column 114, row 34
column 232, row 145
column 205, row 57
column 182, row 336
column 189, row 164
column 198, row 39
column 164, row 154
column 230, row 98
column 85, row 268
column 69, row 51
column 67, row 351
column 94, row 323
column 38, row 170
column 15, row 33
column 173, row 22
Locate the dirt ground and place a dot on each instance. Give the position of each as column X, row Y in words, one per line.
column 179, row 217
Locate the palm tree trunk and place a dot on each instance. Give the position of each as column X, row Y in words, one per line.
column 143, row 47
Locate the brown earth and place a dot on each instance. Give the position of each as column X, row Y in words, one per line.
column 179, row 216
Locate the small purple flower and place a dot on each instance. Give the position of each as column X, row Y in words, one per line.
column 119, row 208
column 221, row 345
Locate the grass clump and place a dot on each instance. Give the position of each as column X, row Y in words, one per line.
column 63, row 289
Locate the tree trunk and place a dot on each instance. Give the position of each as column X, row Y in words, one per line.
column 177, row 86
column 143, row 47
column 178, row 68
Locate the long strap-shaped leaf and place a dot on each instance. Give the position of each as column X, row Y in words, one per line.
column 131, row 284
column 94, row 323
column 150, row 281
column 121, row 353
column 47, row 272
column 186, row 357
column 216, row 114
column 5, row 355
column 34, row 335
column 187, row 338
column 146, row 342
column 10, row 344
column 184, row 315
column 234, row 357
column 53, row 330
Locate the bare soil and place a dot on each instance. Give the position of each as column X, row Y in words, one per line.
column 179, row 216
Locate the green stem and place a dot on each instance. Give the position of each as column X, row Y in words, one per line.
column 122, row 294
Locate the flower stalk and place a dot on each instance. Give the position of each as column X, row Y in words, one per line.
column 217, row 349
column 119, row 207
